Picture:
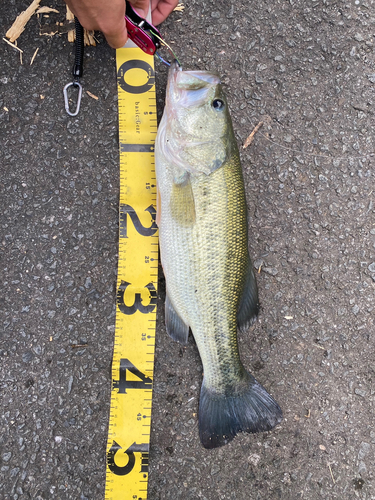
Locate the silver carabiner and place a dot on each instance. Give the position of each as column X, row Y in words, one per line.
column 66, row 98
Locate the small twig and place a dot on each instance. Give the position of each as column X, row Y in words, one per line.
column 74, row 346
column 46, row 10
column 35, row 53
column 92, row 95
column 12, row 44
column 250, row 139
column 330, row 470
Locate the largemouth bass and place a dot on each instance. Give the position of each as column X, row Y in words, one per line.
column 210, row 282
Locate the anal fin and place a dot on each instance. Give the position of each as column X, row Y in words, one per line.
column 176, row 328
column 249, row 304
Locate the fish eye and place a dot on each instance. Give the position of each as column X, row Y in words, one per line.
column 218, row 104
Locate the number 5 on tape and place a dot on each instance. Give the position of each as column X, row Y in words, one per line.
column 133, row 357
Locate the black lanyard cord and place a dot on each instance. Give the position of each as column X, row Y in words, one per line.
column 77, row 70
column 79, row 48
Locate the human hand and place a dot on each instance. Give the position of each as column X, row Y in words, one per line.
column 161, row 9
column 110, row 20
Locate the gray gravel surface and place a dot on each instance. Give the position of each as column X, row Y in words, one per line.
column 307, row 70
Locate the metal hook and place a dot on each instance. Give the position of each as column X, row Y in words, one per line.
column 66, row 98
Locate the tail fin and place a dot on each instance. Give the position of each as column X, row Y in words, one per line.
column 221, row 416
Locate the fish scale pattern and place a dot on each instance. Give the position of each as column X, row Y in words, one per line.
column 205, row 265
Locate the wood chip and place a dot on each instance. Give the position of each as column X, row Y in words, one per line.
column 322, row 447
column 70, row 17
column 88, row 35
column 35, row 53
column 19, row 24
column 250, row 139
column 180, row 7
column 92, row 95
column 69, row 14
column 89, row 38
column 46, row 10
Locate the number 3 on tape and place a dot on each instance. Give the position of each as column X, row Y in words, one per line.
column 133, row 356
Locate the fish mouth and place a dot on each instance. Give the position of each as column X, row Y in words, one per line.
column 210, row 77
column 190, row 87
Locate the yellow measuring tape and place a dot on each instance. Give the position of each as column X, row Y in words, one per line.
column 133, row 358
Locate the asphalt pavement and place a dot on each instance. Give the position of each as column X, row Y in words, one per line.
column 306, row 69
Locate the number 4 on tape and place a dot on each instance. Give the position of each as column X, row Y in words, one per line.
column 122, row 384
column 133, row 356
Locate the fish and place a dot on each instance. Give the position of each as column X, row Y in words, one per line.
column 211, row 287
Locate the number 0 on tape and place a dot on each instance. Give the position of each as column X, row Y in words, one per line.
column 133, row 357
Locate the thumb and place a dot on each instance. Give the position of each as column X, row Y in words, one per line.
column 141, row 6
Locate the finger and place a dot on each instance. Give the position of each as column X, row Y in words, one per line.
column 141, row 6
column 118, row 38
column 161, row 9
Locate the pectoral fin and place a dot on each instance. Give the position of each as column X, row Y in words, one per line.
column 182, row 203
column 158, row 207
column 249, row 305
column 176, row 328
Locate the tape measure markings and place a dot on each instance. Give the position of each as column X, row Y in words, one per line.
column 133, row 357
